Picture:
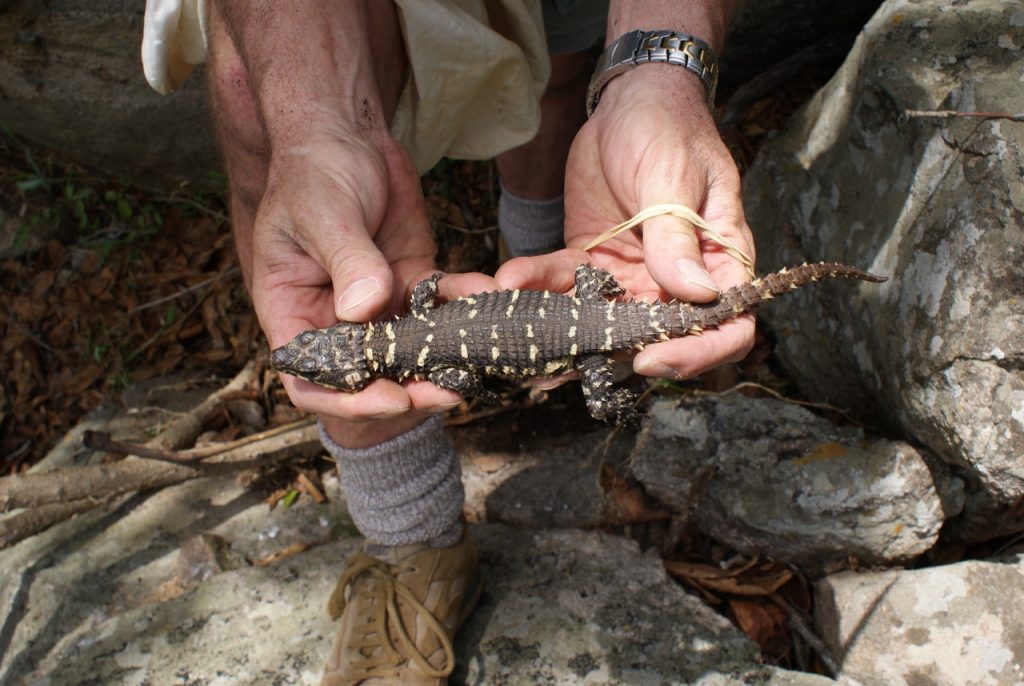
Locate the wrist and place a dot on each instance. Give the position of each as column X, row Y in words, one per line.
column 686, row 36
column 704, row 19
column 308, row 66
column 672, row 87
column 658, row 47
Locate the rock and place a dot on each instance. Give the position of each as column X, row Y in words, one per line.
column 568, row 607
column 202, row 556
column 72, row 81
column 770, row 477
column 202, row 583
column 254, row 625
column 539, row 468
column 561, row 607
column 957, row 625
column 936, row 204
column 58, row 587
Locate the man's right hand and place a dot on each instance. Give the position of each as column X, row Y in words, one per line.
column 338, row 236
column 329, row 216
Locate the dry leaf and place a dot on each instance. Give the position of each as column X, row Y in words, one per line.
column 43, row 281
column 28, row 308
column 763, row 622
column 763, row 580
column 624, row 502
column 293, row 549
column 823, row 451
column 306, row 485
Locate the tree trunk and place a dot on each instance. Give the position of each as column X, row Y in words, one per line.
column 71, row 80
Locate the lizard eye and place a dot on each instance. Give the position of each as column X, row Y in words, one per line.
column 306, row 337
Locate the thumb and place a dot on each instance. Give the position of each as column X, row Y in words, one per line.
column 360, row 275
column 362, row 281
column 672, row 248
column 672, row 251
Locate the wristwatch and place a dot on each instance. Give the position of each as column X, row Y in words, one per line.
column 643, row 47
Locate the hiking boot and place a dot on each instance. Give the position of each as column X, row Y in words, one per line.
column 399, row 615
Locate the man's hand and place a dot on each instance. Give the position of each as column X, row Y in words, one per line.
column 342, row 234
column 329, row 217
column 652, row 140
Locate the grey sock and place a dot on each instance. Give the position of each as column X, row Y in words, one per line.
column 406, row 490
column 531, row 227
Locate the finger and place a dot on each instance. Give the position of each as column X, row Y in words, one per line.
column 381, row 399
column 426, row 398
column 672, row 250
column 683, row 358
column 723, row 211
column 554, row 271
column 360, row 275
column 454, row 286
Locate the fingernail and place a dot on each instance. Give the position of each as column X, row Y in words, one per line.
column 654, row 367
column 696, row 274
column 444, row 407
column 356, row 294
column 390, row 413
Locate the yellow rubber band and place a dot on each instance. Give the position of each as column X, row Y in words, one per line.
column 683, row 212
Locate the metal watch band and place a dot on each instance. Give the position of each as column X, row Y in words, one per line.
column 642, row 47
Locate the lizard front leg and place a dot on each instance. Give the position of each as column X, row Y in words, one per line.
column 594, row 283
column 462, row 381
column 424, row 296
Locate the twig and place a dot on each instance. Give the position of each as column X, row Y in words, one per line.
column 797, row 624
column 775, row 394
column 98, row 440
column 60, row 485
column 38, row 519
column 163, row 331
column 309, row 487
column 184, row 429
column 487, row 412
column 106, row 480
column 13, row 459
column 209, row 212
column 62, row 354
column 185, row 291
column 948, row 114
column 472, row 232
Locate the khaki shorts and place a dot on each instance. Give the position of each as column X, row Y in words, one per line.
column 478, row 67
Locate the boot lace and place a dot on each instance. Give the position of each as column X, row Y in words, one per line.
column 374, row 635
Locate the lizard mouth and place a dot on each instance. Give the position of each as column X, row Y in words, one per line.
column 280, row 357
column 286, row 359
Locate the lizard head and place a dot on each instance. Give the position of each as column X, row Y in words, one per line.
column 332, row 357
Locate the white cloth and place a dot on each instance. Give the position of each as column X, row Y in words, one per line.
column 173, row 42
column 477, row 71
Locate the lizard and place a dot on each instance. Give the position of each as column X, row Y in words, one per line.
column 521, row 334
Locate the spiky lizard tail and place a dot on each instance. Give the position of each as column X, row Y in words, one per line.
column 747, row 296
